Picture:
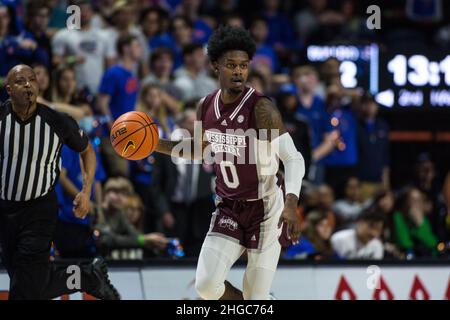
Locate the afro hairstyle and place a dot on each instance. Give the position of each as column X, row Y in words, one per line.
column 227, row 38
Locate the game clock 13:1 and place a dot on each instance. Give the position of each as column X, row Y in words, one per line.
column 419, row 80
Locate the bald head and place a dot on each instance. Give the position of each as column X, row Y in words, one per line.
column 22, row 86
column 17, row 70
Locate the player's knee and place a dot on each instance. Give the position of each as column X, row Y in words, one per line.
column 208, row 288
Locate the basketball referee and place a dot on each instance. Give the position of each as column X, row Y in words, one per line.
column 31, row 137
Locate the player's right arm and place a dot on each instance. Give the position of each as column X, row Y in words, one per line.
column 268, row 118
column 188, row 148
column 103, row 105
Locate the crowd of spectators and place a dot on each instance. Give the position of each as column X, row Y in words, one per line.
column 150, row 56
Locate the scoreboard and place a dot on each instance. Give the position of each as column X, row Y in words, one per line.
column 414, row 79
column 357, row 63
column 408, row 79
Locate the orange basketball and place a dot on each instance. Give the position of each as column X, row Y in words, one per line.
column 134, row 135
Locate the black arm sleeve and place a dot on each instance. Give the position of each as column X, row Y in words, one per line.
column 74, row 137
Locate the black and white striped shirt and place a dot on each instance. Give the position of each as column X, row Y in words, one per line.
column 30, row 151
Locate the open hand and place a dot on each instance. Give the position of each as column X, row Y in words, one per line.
column 289, row 216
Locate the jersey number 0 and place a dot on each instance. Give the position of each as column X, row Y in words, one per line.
column 233, row 181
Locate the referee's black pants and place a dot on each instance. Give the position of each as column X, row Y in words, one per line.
column 26, row 232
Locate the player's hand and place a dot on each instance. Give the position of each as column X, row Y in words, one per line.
column 81, row 205
column 289, row 216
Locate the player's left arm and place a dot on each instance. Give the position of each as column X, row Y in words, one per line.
column 82, row 201
column 268, row 117
column 77, row 140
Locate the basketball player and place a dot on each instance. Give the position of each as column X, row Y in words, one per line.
column 251, row 207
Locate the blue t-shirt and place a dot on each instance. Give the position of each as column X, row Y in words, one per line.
column 16, row 25
column 347, row 127
column 265, row 55
column 318, row 119
column 161, row 40
column 169, row 42
column 11, row 54
column 171, row 4
column 202, row 31
column 373, row 145
column 122, row 86
column 280, row 30
column 304, row 249
column 39, row 55
column 12, row 3
column 300, row 250
column 71, row 162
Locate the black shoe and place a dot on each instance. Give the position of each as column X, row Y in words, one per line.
column 103, row 289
